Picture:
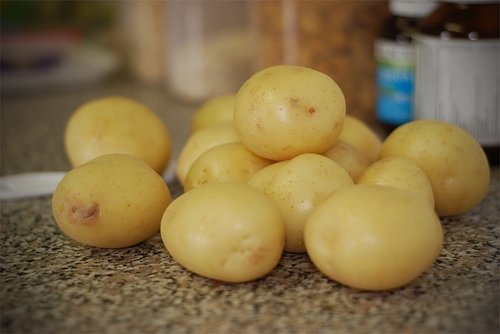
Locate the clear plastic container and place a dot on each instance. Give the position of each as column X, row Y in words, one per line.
column 208, row 48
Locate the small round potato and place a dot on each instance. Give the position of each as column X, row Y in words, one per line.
column 359, row 135
column 298, row 186
column 401, row 173
column 231, row 162
column 224, row 231
column 215, row 110
column 113, row 201
column 200, row 141
column 283, row 111
column 373, row 237
column 348, row 157
column 117, row 125
column 452, row 159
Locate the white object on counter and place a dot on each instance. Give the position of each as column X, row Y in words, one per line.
column 45, row 183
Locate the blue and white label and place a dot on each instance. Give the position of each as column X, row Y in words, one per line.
column 395, row 82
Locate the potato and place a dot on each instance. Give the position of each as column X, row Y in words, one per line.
column 224, row 231
column 348, row 157
column 451, row 158
column 224, row 163
column 298, row 186
column 283, row 111
column 400, row 173
column 215, row 110
column 117, row 125
column 201, row 141
column 113, row 201
column 373, row 237
column 359, row 135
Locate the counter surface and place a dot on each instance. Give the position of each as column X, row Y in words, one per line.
column 50, row 284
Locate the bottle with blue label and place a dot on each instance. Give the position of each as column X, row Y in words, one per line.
column 394, row 56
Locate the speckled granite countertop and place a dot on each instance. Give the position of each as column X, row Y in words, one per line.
column 50, row 284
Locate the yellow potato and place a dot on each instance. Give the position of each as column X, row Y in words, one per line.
column 216, row 110
column 230, row 162
column 373, row 237
column 359, row 135
column 298, row 186
column 224, row 231
column 117, row 125
column 451, row 158
column 283, row 111
column 113, row 201
column 201, row 141
column 401, row 173
column 348, row 157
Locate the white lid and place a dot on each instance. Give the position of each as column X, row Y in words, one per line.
column 412, row 8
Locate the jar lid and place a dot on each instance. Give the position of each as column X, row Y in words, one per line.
column 412, row 8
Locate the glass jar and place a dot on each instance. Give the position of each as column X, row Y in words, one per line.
column 333, row 37
column 209, row 45
column 457, row 69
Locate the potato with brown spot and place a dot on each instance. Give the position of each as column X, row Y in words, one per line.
column 283, row 111
column 113, row 201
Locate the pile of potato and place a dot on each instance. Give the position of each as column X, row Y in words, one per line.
column 277, row 167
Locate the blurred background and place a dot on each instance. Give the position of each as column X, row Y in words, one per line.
column 194, row 49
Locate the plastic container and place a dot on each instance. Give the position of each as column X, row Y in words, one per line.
column 208, row 48
column 457, row 69
column 395, row 57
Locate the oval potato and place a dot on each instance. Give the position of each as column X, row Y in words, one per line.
column 373, row 237
column 218, row 109
column 117, row 125
column 113, row 201
column 401, row 173
column 452, row 159
column 298, row 186
column 358, row 134
column 231, row 162
column 201, row 141
column 224, row 231
column 348, row 157
column 283, row 111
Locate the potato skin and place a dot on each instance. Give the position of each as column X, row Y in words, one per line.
column 218, row 109
column 283, row 111
column 231, row 162
column 452, row 159
column 298, row 186
column 401, row 173
column 117, row 125
column 202, row 140
column 224, row 231
column 113, row 201
column 359, row 135
column 373, row 237
column 348, row 157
